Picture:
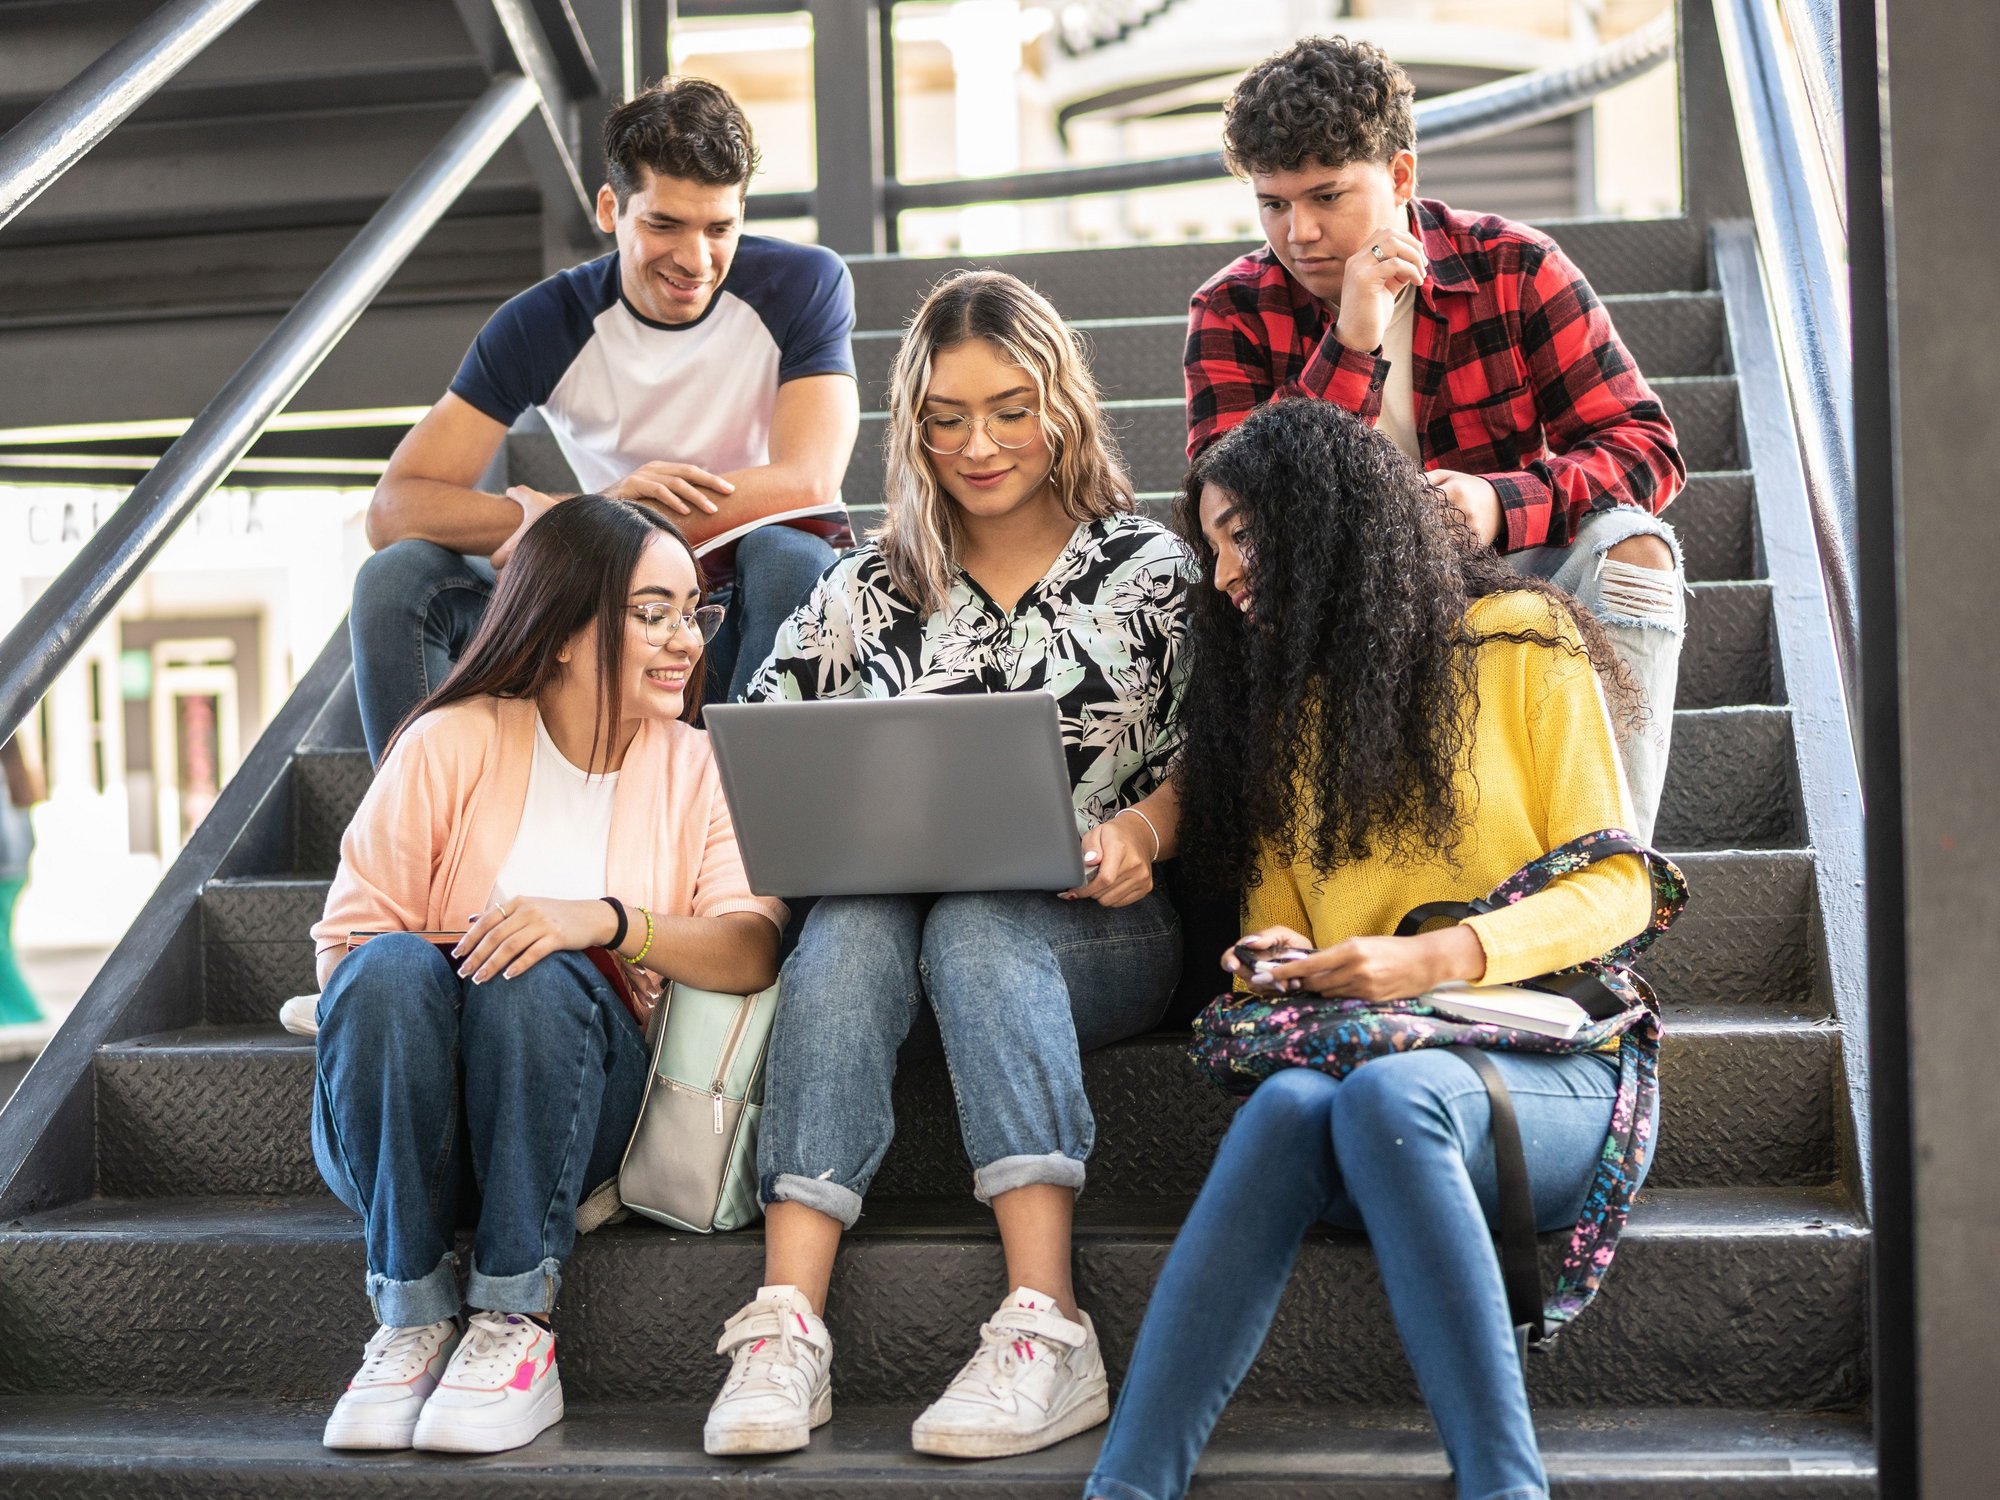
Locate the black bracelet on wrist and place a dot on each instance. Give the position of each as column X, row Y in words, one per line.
column 618, row 907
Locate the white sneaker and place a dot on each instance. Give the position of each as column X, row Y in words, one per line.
column 399, row 1369
column 780, row 1386
column 300, row 1015
column 1037, row 1379
column 501, row 1390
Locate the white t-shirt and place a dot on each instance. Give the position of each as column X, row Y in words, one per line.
column 565, row 833
column 1398, row 417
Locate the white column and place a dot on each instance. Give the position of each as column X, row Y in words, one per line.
column 985, row 41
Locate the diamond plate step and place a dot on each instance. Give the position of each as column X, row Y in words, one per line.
column 1750, row 1094
column 1617, row 256
column 1667, row 333
column 1152, row 435
column 73, row 1449
column 1744, row 939
column 1731, row 782
column 1726, row 658
column 1721, row 1297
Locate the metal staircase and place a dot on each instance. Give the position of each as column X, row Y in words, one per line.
column 184, row 1297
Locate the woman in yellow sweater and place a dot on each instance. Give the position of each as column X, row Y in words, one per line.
column 1379, row 713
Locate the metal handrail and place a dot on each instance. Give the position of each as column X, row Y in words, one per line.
column 57, row 132
column 1473, row 114
column 53, row 628
column 1814, row 27
column 1807, row 274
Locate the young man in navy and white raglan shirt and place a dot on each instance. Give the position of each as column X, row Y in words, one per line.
column 697, row 368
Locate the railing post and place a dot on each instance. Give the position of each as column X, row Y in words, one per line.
column 847, row 126
column 1712, row 182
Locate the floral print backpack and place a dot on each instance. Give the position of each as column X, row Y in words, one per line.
column 1242, row 1038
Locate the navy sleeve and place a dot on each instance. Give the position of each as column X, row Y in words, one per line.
column 525, row 347
column 816, row 336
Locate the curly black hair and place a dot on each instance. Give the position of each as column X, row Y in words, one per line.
column 1354, row 675
column 681, row 127
column 1326, row 101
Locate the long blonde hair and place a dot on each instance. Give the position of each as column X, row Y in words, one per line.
column 920, row 532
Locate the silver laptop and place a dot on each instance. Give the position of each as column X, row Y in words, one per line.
column 926, row 793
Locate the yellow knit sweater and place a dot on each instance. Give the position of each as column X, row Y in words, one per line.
column 1543, row 769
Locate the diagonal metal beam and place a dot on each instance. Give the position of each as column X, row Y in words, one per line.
column 52, row 629
column 57, row 133
column 511, row 37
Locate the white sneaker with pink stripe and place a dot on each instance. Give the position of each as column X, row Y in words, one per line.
column 399, row 1369
column 780, row 1386
column 500, row 1391
column 1036, row 1379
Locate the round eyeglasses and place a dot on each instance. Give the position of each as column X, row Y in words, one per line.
column 1009, row 427
column 660, row 621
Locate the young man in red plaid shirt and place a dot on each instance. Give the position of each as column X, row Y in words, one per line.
column 1472, row 342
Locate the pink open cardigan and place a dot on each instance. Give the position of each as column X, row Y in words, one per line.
column 431, row 835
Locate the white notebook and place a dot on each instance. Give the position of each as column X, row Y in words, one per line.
column 1510, row 1005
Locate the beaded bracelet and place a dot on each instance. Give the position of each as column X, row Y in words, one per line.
column 647, row 946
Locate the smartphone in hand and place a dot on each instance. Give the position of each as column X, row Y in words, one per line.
column 1257, row 963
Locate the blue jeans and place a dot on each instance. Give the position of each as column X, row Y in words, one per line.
column 1403, row 1148
column 416, row 606
column 530, row 1085
column 1644, row 611
column 1021, row 983
column 776, row 567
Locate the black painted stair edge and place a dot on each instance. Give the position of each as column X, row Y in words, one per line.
column 87, row 1447
column 1750, row 1298
column 223, row 1111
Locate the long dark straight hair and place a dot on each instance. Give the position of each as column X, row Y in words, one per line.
column 572, row 567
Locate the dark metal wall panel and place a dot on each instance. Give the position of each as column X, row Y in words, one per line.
column 121, row 372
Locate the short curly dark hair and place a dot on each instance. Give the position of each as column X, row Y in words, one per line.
column 682, row 127
column 1325, row 100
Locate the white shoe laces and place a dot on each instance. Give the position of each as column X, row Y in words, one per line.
column 1010, row 1344
column 395, row 1355
column 764, row 1343
column 493, row 1348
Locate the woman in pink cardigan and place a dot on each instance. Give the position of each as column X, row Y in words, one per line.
column 548, row 799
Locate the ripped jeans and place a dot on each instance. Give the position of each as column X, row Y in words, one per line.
column 1644, row 611
column 430, row 1089
column 1021, row 983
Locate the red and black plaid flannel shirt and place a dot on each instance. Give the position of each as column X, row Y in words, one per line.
column 1519, row 376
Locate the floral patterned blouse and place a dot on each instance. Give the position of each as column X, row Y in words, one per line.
column 1102, row 631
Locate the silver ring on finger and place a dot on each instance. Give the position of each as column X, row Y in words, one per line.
column 1376, row 251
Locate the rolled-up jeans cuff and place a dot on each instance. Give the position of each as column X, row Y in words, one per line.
column 830, row 1198
column 1011, row 1172
column 431, row 1298
column 530, row 1292
column 1105, row 1488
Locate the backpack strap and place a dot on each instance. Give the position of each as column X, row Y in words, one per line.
column 1514, row 1230
column 1669, row 892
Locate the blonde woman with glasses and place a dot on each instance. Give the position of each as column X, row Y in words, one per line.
column 1010, row 561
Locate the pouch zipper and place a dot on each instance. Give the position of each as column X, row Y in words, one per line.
column 730, row 1042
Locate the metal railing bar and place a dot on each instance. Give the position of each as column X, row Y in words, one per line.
column 1814, row 28
column 1806, row 278
column 58, row 622
column 57, row 133
column 1449, row 120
